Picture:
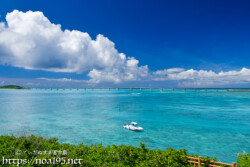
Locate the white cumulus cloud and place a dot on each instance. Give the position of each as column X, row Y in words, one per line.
column 128, row 72
column 168, row 71
column 196, row 78
column 29, row 40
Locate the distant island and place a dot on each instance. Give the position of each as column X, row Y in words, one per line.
column 12, row 87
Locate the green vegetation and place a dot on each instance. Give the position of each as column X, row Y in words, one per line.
column 12, row 87
column 94, row 155
column 243, row 160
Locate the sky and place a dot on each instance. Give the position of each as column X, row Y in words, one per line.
column 132, row 43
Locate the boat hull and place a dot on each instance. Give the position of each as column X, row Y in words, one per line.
column 133, row 128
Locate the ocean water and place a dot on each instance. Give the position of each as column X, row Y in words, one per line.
column 213, row 123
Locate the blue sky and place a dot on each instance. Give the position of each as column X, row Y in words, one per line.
column 208, row 35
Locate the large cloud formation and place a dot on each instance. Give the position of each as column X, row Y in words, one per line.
column 30, row 41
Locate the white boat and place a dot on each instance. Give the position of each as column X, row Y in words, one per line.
column 133, row 127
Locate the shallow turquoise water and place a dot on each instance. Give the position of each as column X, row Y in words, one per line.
column 213, row 123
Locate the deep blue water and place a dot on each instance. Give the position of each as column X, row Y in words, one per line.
column 213, row 123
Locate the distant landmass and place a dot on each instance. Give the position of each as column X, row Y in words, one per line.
column 238, row 90
column 12, row 87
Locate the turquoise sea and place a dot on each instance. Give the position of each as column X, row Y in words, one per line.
column 206, row 122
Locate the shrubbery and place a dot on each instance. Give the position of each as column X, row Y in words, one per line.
column 243, row 160
column 94, row 155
